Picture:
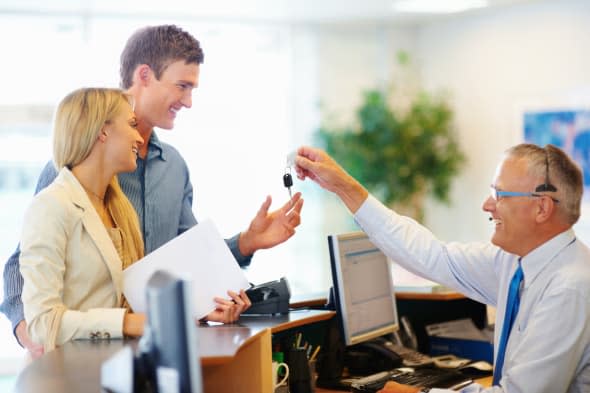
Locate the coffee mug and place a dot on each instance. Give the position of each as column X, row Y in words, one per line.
column 276, row 367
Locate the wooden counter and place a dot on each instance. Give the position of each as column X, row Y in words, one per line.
column 234, row 357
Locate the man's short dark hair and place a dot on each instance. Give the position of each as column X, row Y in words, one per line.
column 158, row 47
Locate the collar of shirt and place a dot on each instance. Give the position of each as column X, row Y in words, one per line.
column 535, row 261
column 155, row 149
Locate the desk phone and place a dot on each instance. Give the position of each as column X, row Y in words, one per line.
column 272, row 297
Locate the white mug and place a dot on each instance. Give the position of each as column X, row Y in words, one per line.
column 275, row 374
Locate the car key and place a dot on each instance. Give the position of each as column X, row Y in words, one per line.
column 288, row 182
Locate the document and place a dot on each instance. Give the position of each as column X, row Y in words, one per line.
column 461, row 328
column 199, row 255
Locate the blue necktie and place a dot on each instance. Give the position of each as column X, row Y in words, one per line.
column 511, row 310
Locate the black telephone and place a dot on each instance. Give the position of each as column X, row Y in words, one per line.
column 269, row 298
column 387, row 352
column 371, row 357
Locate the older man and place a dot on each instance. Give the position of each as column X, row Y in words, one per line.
column 536, row 272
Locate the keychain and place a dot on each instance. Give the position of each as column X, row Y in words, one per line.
column 288, row 180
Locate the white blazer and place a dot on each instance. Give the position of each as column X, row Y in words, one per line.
column 72, row 273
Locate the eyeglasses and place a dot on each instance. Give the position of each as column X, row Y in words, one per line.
column 497, row 194
column 545, row 187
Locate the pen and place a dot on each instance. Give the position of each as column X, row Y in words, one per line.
column 315, row 353
column 462, row 384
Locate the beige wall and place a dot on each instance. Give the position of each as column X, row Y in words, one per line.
column 494, row 64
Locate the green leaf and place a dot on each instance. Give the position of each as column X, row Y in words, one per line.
column 399, row 156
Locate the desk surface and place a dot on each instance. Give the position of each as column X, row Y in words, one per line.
column 75, row 366
column 319, row 299
column 443, row 295
column 485, row 382
column 219, row 343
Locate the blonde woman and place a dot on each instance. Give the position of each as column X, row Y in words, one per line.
column 82, row 231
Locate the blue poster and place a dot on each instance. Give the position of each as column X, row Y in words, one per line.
column 566, row 129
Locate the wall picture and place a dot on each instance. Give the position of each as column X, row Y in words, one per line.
column 567, row 129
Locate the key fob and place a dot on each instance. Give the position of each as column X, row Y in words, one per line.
column 287, row 180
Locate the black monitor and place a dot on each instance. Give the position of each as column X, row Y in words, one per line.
column 171, row 334
column 363, row 288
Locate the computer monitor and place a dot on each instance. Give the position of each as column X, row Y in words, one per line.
column 362, row 288
column 171, row 334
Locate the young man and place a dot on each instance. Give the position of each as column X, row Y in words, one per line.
column 535, row 271
column 160, row 69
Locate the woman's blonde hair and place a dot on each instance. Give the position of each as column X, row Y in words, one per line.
column 78, row 122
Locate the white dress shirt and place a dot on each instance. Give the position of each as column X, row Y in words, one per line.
column 549, row 346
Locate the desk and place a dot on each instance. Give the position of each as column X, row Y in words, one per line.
column 485, row 382
column 445, row 295
column 234, row 357
column 320, row 301
column 427, row 308
column 422, row 309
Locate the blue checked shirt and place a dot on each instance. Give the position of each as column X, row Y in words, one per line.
column 162, row 194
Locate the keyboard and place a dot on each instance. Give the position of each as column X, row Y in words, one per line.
column 422, row 377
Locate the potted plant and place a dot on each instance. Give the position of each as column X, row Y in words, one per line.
column 399, row 157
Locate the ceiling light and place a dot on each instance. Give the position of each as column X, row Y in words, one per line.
column 437, row 6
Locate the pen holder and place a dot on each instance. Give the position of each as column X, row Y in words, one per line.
column 300, row 380
column 312, row 373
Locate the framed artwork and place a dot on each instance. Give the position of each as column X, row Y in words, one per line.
column 568, row 129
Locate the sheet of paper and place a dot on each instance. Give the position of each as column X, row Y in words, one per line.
column 460, row 328
column 200, row 255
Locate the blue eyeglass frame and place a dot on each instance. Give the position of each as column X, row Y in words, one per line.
column 497, row 194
